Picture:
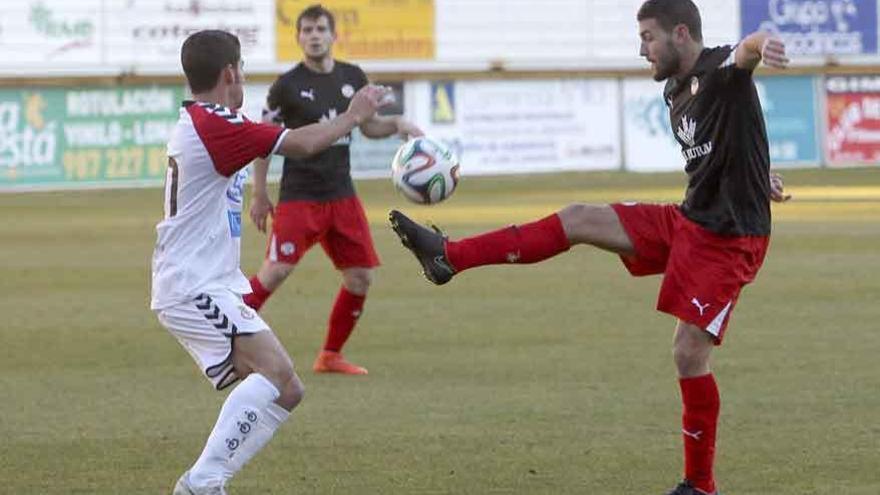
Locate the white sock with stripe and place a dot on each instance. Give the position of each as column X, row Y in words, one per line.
column 247, row 421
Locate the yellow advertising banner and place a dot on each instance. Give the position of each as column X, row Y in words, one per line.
column 365, row 29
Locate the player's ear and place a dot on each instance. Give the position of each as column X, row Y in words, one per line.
column 228, row 74
column 681, row 33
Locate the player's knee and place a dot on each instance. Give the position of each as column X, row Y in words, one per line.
column 290, row 387
column 690, row 359
column 278, row 272
column 579, row 220
column 292, row 392
column 358, row 281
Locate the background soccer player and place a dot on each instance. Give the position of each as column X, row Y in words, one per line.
column 197, row 284
column 317, row 201
column 707, row 248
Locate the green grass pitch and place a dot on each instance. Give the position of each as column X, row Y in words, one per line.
column 548, row 379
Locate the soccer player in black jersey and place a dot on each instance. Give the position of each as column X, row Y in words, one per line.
column 317, row 203
column 707, row 248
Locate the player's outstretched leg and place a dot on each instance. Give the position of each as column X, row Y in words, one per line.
column 441, row 258
column 519, row 244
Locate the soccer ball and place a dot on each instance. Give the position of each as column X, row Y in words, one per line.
column 425, row 170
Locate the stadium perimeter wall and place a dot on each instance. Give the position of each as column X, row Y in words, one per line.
column 90, row 89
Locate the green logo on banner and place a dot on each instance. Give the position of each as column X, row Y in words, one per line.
column 28, row 142
column 58, row 137
column 44, row 21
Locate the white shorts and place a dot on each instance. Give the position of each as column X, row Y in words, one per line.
column 205, row 327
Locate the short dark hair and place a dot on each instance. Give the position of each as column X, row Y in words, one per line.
column 671, row 13
column 315, row 12
column 205, row 54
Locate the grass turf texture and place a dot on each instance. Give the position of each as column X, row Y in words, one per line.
column 546, row 379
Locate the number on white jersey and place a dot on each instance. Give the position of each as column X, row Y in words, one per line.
column 171, row 181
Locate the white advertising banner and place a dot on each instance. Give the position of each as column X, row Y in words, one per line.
column 648, row 142
column 50, row 32
column 147, row 32
column 576, row 32
column 614, row 32
column 523, row 126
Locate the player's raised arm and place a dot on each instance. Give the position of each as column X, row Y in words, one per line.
column 760, row 46
column 308, row 140
column 382, row 126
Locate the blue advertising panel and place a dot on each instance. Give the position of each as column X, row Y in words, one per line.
column 815, row 27
column 790, row 113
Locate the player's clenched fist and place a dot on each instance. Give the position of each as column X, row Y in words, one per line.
column 367, row 100
column 773, row 53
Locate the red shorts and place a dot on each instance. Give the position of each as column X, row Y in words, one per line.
column 339, row 225
column 703, row 272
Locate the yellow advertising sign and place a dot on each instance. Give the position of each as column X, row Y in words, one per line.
column 365, row 29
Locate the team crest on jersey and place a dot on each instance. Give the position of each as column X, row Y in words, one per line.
column 287, row 248
column 687, row 130
column 687, row 133
column 347, row 90
column 247, row 313
column 695, row 85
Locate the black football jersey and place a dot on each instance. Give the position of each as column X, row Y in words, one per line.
column 301, row 97
column 716, row 118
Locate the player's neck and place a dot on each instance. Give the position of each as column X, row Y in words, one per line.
column 690, row 53
column 323, row 65
column 217, row 96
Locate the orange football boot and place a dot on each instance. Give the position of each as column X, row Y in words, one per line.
column 333, row 362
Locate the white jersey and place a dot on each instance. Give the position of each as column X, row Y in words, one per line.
column 199, row 240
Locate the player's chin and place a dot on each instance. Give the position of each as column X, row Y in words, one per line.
column 659, row 74
column 316, row 51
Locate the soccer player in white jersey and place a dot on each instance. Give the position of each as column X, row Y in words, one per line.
column 197, row 284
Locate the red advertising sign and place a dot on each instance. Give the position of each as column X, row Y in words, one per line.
column 853, row 136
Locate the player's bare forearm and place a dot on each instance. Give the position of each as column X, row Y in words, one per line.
column 761, row 46
column 380, row 126
column 261, row 171
column 261, row 205
column 311, row 139
column 384, row 126
column 748, row 53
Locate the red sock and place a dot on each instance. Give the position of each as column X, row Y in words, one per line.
column 527, row 243
column 346, row 311
column 258, row 297
column 699, row 421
